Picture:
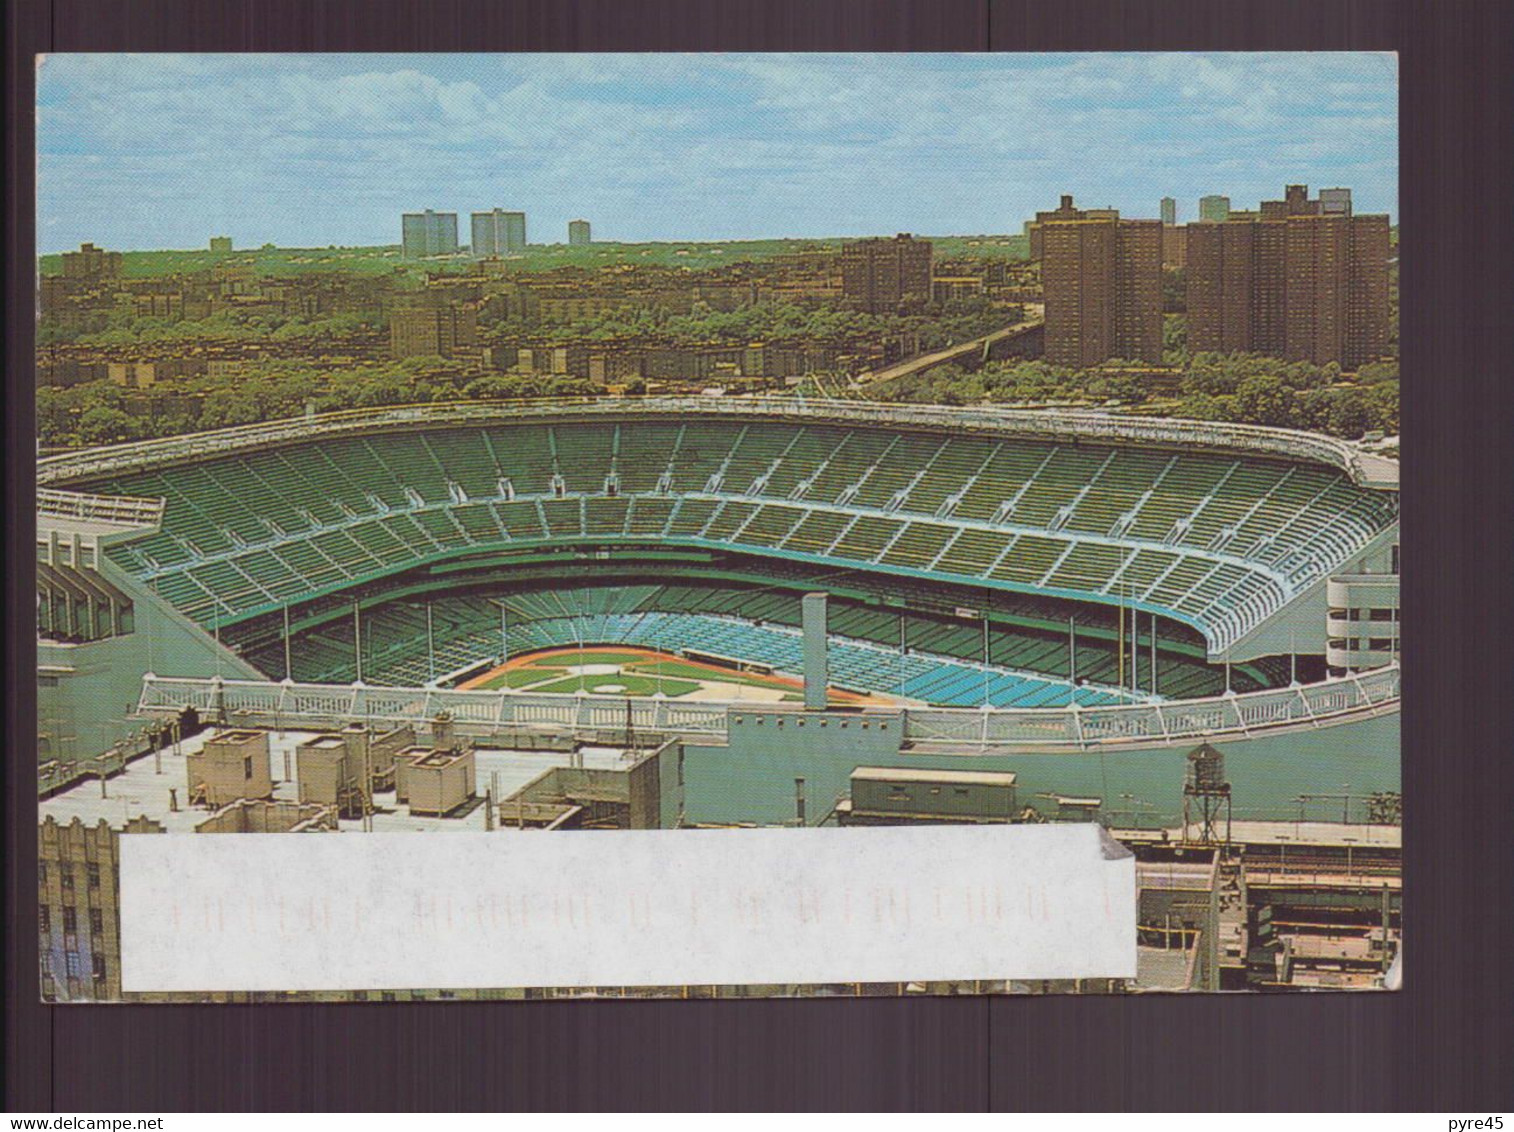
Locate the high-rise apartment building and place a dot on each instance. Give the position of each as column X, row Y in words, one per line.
column 497, row 233
column 432, row 329
column 1102, row 279
column 1294, row 282
column 1174, row 245
column 1214, row 208
column 1169, row 210
column 578, row 233
column 1332, row 201
column 90, row 262
column 1295, row 202
column 1064, row 211
column 428, row 233
column 877, row 275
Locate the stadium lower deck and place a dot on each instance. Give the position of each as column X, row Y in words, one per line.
column 901, row 652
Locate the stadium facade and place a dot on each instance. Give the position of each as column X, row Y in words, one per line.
column 1076, row 597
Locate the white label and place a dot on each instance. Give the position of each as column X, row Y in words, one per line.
column 627, row 908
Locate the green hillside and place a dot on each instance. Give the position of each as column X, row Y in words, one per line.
column 537, row 257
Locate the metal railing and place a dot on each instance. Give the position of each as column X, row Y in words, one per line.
column 128, row 510
column 980, row 730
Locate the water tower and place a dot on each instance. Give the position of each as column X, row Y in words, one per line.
column 1206, row 796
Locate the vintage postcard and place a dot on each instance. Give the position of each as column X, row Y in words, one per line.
column 936, row 514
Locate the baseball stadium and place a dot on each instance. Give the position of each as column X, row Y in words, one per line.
column 791, row 589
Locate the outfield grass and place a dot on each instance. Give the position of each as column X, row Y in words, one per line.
column 518, row 677
column 590, row 656
column 639, row 675
column 624, row 684
column 723, row 675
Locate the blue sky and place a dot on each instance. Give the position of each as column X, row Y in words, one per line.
column 162, row 151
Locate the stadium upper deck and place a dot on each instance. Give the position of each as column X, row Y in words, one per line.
column 1217, row 526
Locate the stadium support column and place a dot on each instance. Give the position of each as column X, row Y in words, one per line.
column 1153, row 654
column 430, row 646
column 357, row 638
column 816, row 674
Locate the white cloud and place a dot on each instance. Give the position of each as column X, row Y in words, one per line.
column 827, row 142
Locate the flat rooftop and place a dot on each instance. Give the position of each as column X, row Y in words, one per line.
column 1161, row 969
column 140, row 790
column 433, row 760
column 1174, row 876
column 1317, row 833
column 925, row 775
column 240, row 735
column 1324, row 833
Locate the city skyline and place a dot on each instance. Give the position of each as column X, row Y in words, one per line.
column 149, row 152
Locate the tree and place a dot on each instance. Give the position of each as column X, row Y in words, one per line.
column 1383, row 398
column 102, row 424
column 227, row 407
column 1374, row 372
column 1174, row 339
column 1351, row 414
column 1175, row 290
column 1203, row 407
column 1125, row 387
column 1265, row 401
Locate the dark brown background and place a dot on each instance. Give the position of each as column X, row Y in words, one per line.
column 1443, row 1044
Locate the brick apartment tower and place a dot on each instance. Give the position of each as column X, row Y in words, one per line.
column 432, row 329
column 877, row 275
column 1295, row 282
column 1102, row 280
column 1066, row 210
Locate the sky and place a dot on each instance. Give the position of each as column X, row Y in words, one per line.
column 143, row 152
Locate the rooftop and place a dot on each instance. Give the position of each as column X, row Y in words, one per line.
column 140, row 789
column 1340, row 834
column 956, row 777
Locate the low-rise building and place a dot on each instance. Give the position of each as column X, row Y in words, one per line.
column 78, row 905
column 232, row 765
column 909, row 795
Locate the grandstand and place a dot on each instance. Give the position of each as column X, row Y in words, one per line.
column 1011, row 561
column 402, row 648
column 1216, row 540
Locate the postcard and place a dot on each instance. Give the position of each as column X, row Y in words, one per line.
column 936, row 514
